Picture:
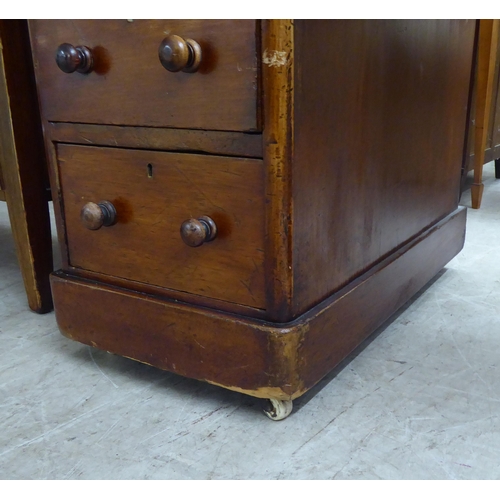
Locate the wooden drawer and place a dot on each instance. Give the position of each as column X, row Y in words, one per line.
column 128, row 84
column 154, row 193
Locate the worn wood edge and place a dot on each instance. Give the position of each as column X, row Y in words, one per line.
column 290, row 370
column 278, row 73
column 278, row 346
column 261, row 393
column 35, row 276
column 285, row 345
column 163, row 139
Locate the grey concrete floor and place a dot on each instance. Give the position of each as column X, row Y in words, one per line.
column 420, row 400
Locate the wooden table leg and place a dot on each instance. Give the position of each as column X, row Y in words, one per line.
column 23, row 164
column 486, row 54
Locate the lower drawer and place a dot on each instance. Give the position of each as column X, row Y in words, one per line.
column 153, row 194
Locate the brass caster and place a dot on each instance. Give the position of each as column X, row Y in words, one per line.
column 278, row 409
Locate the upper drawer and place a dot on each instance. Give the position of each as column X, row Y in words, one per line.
column 129, row 86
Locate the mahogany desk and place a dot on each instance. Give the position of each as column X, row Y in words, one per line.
column 244, row 202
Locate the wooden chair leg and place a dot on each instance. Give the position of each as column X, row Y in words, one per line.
column 486, row 54
column 23, row 161
column 477, row 194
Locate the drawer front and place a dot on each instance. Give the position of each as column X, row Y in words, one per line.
column 129, row 86
column 153, row 194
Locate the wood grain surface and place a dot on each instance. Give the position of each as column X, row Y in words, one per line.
column 378, row 142
column 129, row 86
column 258, row 358
column 342, row 213
column 154, row 193
column 23, row 164
column 277, row 139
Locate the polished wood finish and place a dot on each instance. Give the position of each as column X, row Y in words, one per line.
column 391, row 165
column 177, row 54
column 486, row 58
column 258, row 358
column 246, row 355
column 359, row 308
column 145, row 244
column 96, row 215
column 71, row 59
column 23, row 169
column 195, row 232
column 129, row 86
column 349, row 201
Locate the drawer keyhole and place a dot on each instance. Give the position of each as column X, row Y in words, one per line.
column 150, row 170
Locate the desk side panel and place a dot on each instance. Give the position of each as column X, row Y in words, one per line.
column 380, row 114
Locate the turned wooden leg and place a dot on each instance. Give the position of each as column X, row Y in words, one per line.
column 477, row 194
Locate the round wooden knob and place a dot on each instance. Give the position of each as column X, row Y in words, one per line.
column 96, row 215
column 71, row 59
column 195, row 232
column 179, row 54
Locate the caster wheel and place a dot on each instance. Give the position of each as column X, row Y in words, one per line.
column 278, row 409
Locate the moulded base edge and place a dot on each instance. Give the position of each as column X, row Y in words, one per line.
column 262, row 359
